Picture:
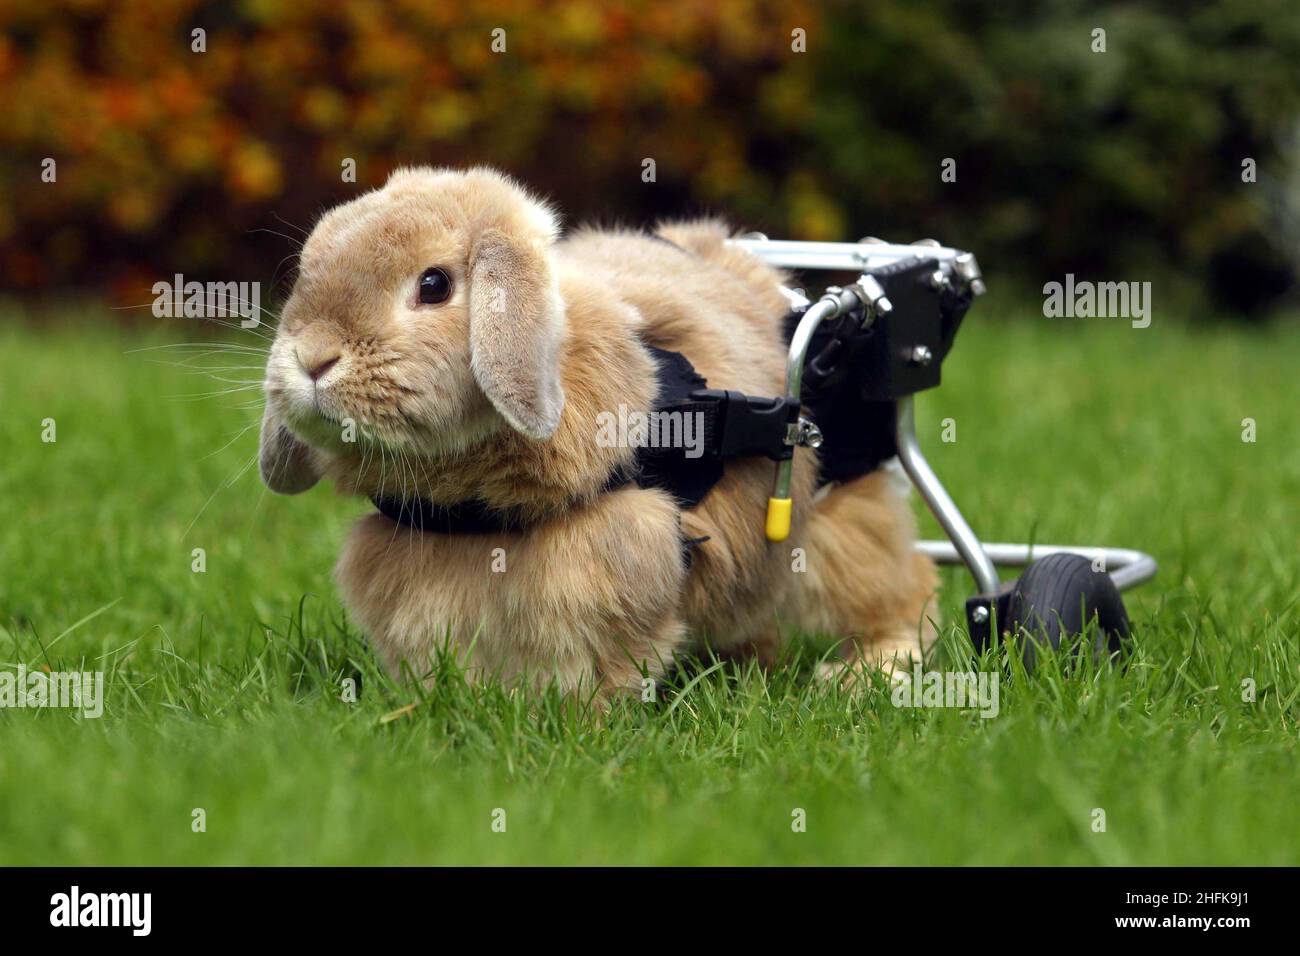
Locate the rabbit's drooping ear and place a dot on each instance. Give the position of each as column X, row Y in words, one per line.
column 287, row 464
column 516, row 325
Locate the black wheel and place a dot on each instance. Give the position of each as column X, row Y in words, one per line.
column 1057, row 597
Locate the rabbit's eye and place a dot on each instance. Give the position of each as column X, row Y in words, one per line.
column 435, row 286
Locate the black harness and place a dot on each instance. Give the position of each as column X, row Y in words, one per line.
column 720, row 425
column 855, row 373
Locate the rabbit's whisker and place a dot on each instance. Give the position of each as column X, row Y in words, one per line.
column 204, row 348
column 292, row 225
column 239, row 434
column 221, row 487
column 201, row 396
column 215, row 321
column 294, row 239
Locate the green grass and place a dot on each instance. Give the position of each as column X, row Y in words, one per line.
column 223, row 687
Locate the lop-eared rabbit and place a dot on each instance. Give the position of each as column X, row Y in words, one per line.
column 444, row 348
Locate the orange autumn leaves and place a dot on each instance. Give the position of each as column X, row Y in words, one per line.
column 166, row 156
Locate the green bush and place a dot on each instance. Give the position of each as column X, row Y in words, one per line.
column 1122, row 164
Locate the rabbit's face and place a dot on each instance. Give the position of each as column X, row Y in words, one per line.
column 375, row 337
column 424, row 319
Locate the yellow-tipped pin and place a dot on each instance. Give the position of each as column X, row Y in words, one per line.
column 778, row 519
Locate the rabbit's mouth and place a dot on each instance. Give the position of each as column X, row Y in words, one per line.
column 358, row 438
column 375, row 402
column 332, row 428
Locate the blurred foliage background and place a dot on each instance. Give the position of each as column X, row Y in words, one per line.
column 1125, row 164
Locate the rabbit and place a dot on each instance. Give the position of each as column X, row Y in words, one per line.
column 469, row 350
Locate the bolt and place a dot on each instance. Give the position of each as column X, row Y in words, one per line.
column 807, row 434
column 921, row 355
column 979, row 614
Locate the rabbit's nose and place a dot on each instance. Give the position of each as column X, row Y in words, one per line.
column 318, row 365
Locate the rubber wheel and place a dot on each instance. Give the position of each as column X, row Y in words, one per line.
column 1055, row 599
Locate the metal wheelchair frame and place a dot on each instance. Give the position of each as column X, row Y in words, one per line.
column 1127, row 568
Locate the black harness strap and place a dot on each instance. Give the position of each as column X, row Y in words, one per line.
column 692, row 431
column 465, row 517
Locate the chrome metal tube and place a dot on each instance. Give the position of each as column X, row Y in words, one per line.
column 940, row 503
column 828, row 306
column 1127, row 568
column 839, row 256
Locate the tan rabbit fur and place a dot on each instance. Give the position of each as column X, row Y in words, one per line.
column 495, row 394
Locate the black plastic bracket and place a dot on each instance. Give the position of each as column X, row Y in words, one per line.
column 983, row 610
column 750, row 424
column 898, row 353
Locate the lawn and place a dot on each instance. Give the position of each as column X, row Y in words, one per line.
column 223, row 688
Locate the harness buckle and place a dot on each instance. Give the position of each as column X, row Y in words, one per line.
column 744, row 425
